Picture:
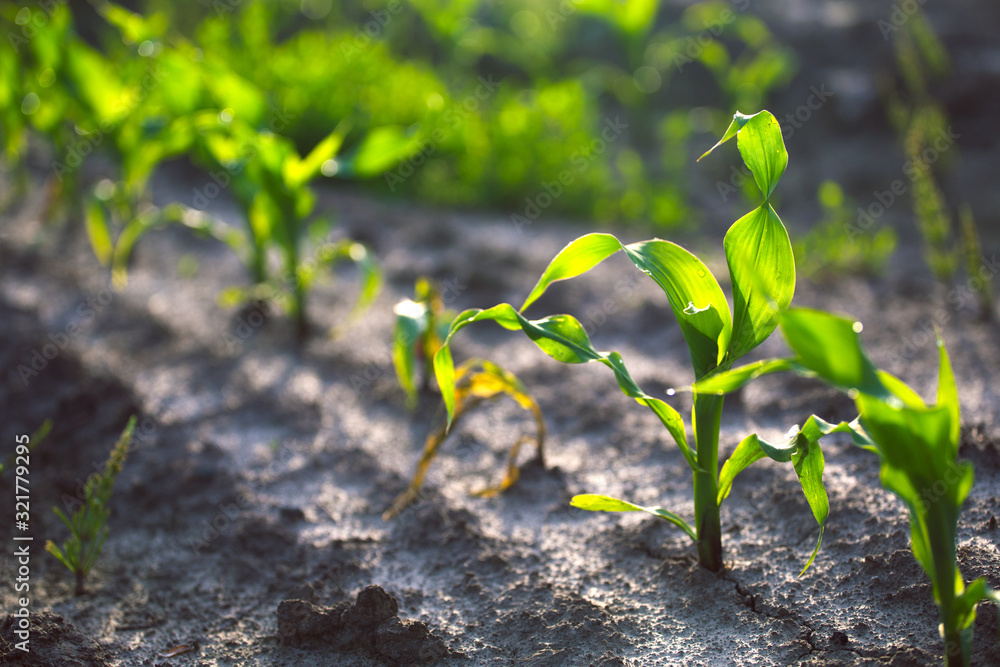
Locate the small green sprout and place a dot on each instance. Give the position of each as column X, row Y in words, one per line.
column 476, row 381
column 421, row 326
column 762, row 271
column 917, row 444
column 88, row 524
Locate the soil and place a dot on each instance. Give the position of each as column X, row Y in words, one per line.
column 246, row 526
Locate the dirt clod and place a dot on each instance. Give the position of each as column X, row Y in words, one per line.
column 370, row 623
column 52, row 641
column 408, row 642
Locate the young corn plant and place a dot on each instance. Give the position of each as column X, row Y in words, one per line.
column 917, row 444
column 421, row 326
column 88, row 524
column 762, row 272
column 477, row 381
column 270, row 181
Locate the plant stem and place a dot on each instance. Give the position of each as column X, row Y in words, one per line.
column 954, row 653
column 707, row 420
column 79, row 583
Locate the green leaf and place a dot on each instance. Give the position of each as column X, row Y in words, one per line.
column 695, row 297
column 726, row 381
column 381, row 149
column 745, row 454
column 829, row 346
column 98, row 232
column 739, row 120
column 698, row 302
column 412, row 320
column 808, row 462
column 947, row 395
column 563, row 338
column 299, row 172
column 763, row 150
column 575, row 259
column 762, row 267
column 598, row 503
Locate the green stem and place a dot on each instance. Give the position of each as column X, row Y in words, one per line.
column 707, row 420
column 942, row 523
column 954, row 652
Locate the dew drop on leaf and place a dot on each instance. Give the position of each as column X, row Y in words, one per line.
column 852, row 393
column 857, row 326
column 671, row 392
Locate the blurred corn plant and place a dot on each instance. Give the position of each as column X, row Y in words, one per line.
column 826, row 252
column 922, row 123
column 421, row 326
column 88, row 523
column 145, row 102
column 270, row 181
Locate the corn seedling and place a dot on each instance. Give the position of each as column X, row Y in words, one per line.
column 421, row 326
column 270, row 181
column 88, row 523
column 476, row 381
column 762, row 271
column 917, row 444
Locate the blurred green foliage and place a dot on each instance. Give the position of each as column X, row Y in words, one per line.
column 924, row 129
column 475, row 103
column 827, row 252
